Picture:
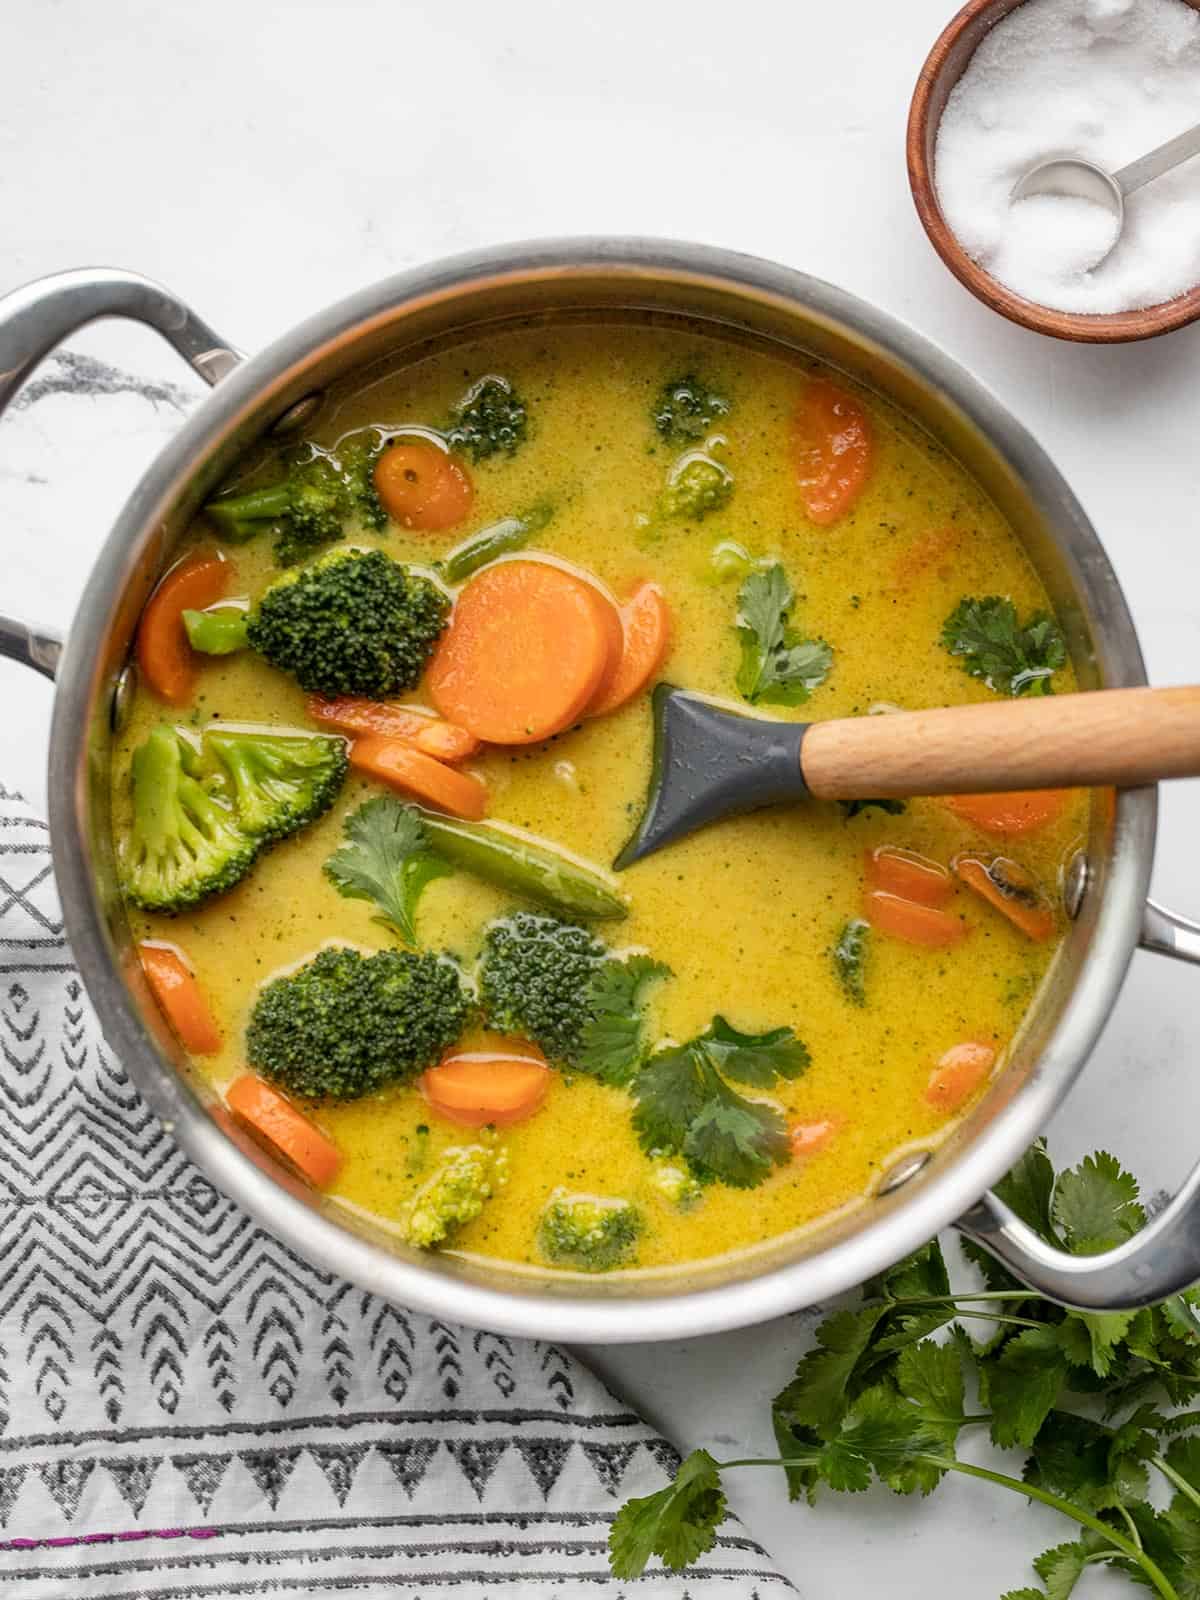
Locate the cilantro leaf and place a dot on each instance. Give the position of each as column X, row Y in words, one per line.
column 1060, row 1569
column 685, row 1107
column 671, row 1091
column 1022, row 1383
column 849, row 955
column 1023, row 1594
column 819, row 1392
column 1009, row 657
column 1028, row 1189
column 855, row 808
column 777, row 666
column 735, row 1141
column 1091, row 1338
column 388, row 859
column 1096, row 1205
column 679, row 1523
column 611, row 1044
column 881, row 1434
column 757, row 1059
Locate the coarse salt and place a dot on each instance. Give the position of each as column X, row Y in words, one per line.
column 1107, row 80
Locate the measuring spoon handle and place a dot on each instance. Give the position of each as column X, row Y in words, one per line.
column 1181, row 148
column 1119, row 737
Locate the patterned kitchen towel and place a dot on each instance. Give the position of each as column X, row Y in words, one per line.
column 188, row 1409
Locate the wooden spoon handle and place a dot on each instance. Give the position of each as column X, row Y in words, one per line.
column 1120, row 737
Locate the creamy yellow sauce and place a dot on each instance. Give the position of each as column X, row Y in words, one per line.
column 745, row 913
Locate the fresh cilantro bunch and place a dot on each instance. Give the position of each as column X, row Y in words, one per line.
column 687, row 1107
column 778, row 667
column 879, row 1398
column 1010, row 657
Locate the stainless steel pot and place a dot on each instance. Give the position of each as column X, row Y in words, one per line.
column 551, row 280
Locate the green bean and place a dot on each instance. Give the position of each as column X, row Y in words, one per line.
column 527, row 868
column 510, row 533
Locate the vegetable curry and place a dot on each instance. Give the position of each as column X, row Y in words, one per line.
column 393, row 723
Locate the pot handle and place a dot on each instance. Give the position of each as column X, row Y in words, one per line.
column 39, row 316
column 1159, row 1261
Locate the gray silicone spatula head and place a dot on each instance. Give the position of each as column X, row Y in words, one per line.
column 710, row 762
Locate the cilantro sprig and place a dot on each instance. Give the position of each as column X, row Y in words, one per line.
column 685, row 1105
column 778, row 667
column 389, row 859
column 1009, row 656
column 878, row 1398
column 612, row 1045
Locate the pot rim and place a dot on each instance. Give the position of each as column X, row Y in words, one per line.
column 905, row 1221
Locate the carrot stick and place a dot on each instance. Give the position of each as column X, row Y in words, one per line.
column 394, row 762
column 180, row 998
column 913, row 923
column 646, row 637
column 269, row 1117
column 810, row 1138
column 1022, row 811
column 439, row 739
column 477, row 1089
column 835, row 449
column 911, row 876
column 527, row 649
column 423, row 487
column 166, row 659
column 958, row 1074
column 1007, row 886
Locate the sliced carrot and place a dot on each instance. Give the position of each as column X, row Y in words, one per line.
column 911, row 876
column 481, row 1088
column 398, row 763
column 810, row 1138
column 167, row 661
column 528, row 647
column 439, row 739
column 1007, row 886
column 835, row 449
column 904, row 919
column 930, row 553
column 266, row 1114
column 646, row 638
column 180, row 997
column 422, row 486
column 958, row 1074
column 1022, row 811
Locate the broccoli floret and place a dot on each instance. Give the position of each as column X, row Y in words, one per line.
column 534, row 977
column 185, row 843
column 686, row 409
column 344, row 1024
column 280, row 782
column 200, row 817
column 489, row 419
column 309, row 506
column 357, row 455
column 354, row 622
column 697, row 486
column 677, row 1186
column 588, row 1233
column 454, row 1194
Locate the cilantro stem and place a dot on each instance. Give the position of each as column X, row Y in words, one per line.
column 1168, row 1472
column 1001, row 1321
column 1030, row 1491
column 1084, row 1518
column 1130, row 1524
column 953, row 1299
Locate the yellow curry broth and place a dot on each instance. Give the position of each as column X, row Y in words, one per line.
column 745, row 914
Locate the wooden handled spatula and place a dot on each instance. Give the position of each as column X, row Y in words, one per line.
column 711, row 762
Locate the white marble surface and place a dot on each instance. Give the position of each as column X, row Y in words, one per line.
column 264, row 158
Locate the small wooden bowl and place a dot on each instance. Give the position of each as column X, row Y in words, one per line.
column 945, row 65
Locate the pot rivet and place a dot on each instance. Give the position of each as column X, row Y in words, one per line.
column 299, row 415
column 122, row 698
column 904, row 1171
column 1075, row 883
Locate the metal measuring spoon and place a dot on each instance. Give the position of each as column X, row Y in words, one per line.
column 1084, row 180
